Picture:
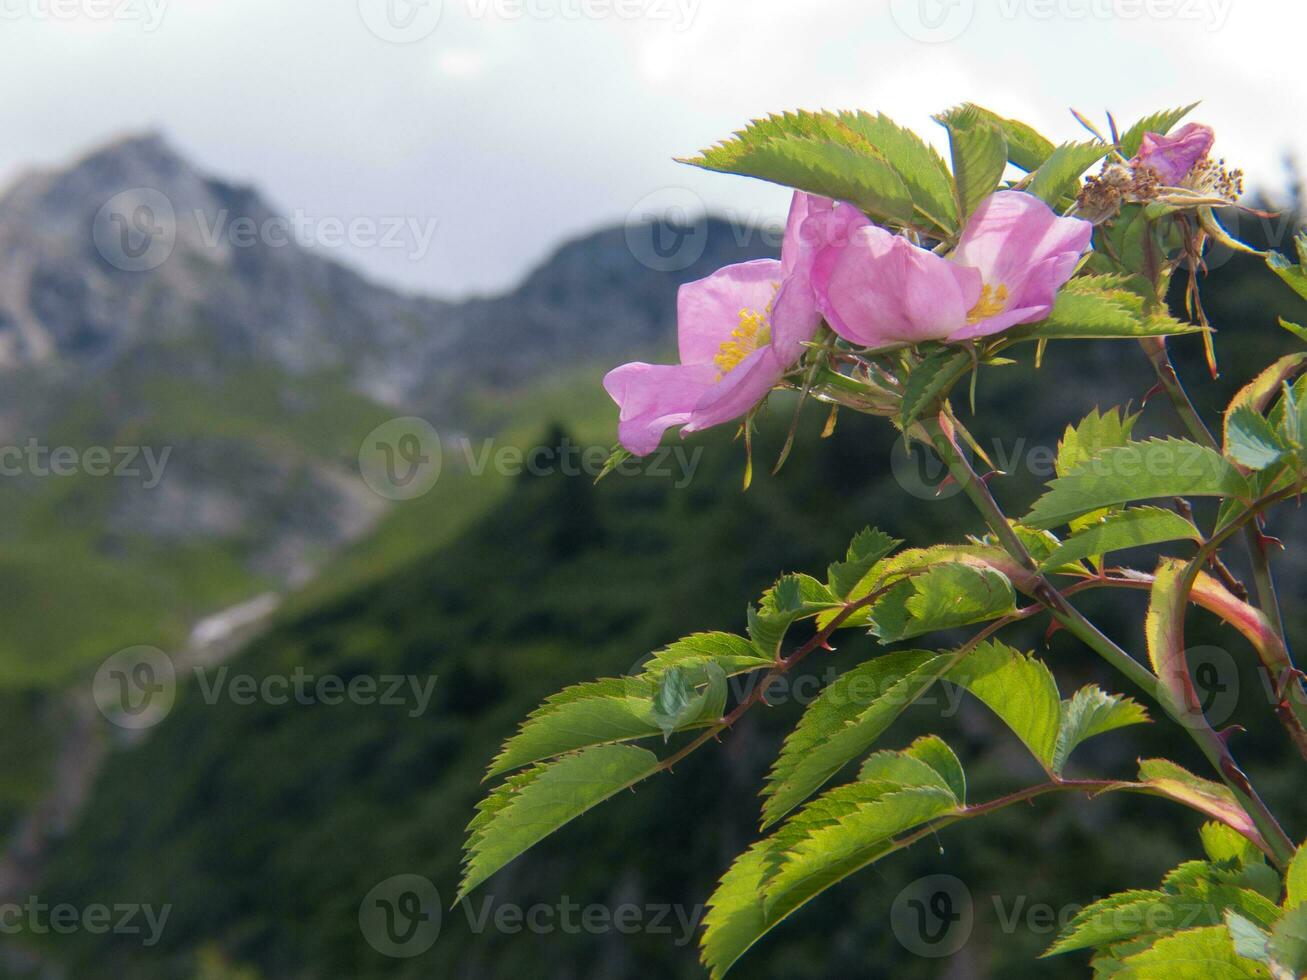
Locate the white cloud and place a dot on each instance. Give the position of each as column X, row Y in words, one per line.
column 514, row 126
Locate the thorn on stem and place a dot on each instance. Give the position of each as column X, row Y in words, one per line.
column 1225, row 734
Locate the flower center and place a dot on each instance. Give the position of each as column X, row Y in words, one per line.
column 753, row 333
column 991, row 303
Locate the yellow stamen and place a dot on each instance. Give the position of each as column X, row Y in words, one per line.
column 753, row 333
column 991, row 303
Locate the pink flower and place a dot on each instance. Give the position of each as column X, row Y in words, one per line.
column 740, row 330
column 878, row 289
column 1173, row 157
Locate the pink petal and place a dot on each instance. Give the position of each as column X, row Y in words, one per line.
column 1175, row 155
column 709, row 309
column 739, row 391
column 799, row 248
column 881, row 289
column 653, row 397
column 1018, row 242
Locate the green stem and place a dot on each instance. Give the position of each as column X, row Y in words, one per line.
column 1207, row 740
column 1263, row 578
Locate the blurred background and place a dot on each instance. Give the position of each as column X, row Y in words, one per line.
column 303, row 310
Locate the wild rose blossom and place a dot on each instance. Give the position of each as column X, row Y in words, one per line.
column 740, row 330
column 1173, row 157
column 878, row 289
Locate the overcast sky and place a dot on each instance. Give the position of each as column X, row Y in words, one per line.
column 511, row 125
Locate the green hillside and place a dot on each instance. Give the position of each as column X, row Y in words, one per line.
column 263, row 827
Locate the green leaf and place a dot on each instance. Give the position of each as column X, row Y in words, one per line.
column 836, row 835
column 844, row 721
column 1258, row 393
column 1288, row 943
column 613, row 710
column 1168, row 779
column 868, row 547
column 732, row 654
column 677, row 706
column 1017, row 688
column 818, row 153
column 1188, row 899
column 1138, row 471
column 1250, row 440
column 1295, row 880
column 842, row 831
column 945, row 596
column 1195, row 954
column 616, row 458
column 1059, row 176
column 1025, row 147
column 1163, row 630
column 917, row 163
column 1249, row 940
column 1133, row 528
column 1225, row 846
column 926, row 762
column 530, row 806
column 1158, row 122
column 1094, row 433
column 931, row 380
column 1296, row 329
column 1088, row 308
column 979, row 151
column 792, row 598
column 1091, row 712
column 1292, row 273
